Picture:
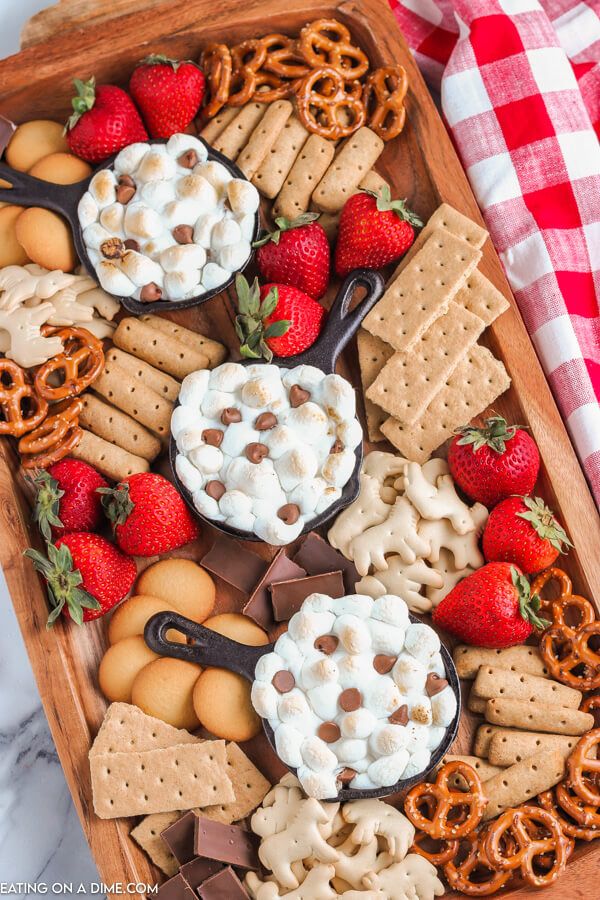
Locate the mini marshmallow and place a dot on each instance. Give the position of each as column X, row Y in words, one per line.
column 204, row 227
column 416, row 736
column 235, row 503
column 267, row 666
column 437, row 734
column 103, row 188
column 295, row 466
column 279, row 440
column 178, row 144
column 264, row 699
column 421, row 642
column 386, row 638
column 266, row 507
column 287, row 744
column 419, row 710
column 213, row 276
column 308, row 377
column 387, row 739
column 307, row 494
column 324, row 700
column 355, row 671
column 195, row 187
column 95, row 235
column 317, row 755
column 258, row 481
column 206, row 458
column 214, row 402
column 156, row 165
column 443, row 707
column 353, row 634
column 357, row 605
column 311, row 417
column 155, row 246
column 391, row 609
column 351, row 749
column 112, row 217
column 261, row 391
column 140, row 269
column 436, row 664
column 388, row 770
column 318, row 672
column 292, row 706
column 247, row 225
column 350, row 433
column 381, row 696
column 243, row 196
column 155, row 194
column 290, row 653
column 87, row 210
column 409, row 674
column 141, row 221
column 338, row 467
column 180, row 284
column 357, row 724
column 306, row 625
column 339, row 397
column 113, row 280
column 362, row 782
column 237, row 437
column 330, row 495
column 274, row 531
column 189, row 475
column 180, row 212
column 206, row 505
column 229, row 376
column 193, row 388
column 190, row 438
column 217, row 174
column 318, row 784
column 129, row 158
column 182, row 257
column 225, row 232
column 234, row 256
column 183, row 417
column 418, row 762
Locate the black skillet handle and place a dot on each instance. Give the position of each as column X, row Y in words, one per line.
column 209, row 649
column 341, row 324
column 29, row 191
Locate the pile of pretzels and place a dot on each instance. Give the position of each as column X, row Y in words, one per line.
column 41, row 406
column 534, row 840
column 326, row 74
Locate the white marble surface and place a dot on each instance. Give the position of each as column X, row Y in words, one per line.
column 41, row 841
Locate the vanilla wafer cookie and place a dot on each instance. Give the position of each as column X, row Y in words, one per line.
column 521, row 658
column 115, row 426
column 423, row 290
column 521, row 782
column 158, row 348
column 271, row 174
column 357, row 155
column 537, row 716
column 492, row 681
column 311, row 164
column 158, row 381
column 215, row 352
column 263, row 137
column 447, row 217
column 112, row 461
column 236, row 133
column 410, row 380
column 479, row 296
column 134, row 398
column 475, row 383
column 373, row 353
column 215, row 126
column 508, row 747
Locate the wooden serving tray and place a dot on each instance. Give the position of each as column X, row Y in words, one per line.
column 420, row 165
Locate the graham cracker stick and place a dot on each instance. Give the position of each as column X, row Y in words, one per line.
column 484, row 769
column 271, row 174
column 218, row 124
column 508, row 747
column 110, row 460
column 158, row 348
column 495, row 682
column 483, row 737
column 517, row 659
column 158, row 381
column 423, row 290
column 215, row 352
column 134, row 398
column 537, row 716
column 236, row 133
column 308, row 169
column 116, row 427
column 356, row 156
column 263, row 137
column 523, row 781
column 475, row 383
column 373, row 353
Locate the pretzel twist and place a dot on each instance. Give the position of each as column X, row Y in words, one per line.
column 583, row 768
column 327, row 42
column 327, row 105
column 448, row 803
column 571, row 827
column 537, row 833
column 217, row 65
column 569, row 657
column 585, row 814
column 384, row 95
column 270, row 87
column 54, row 438
column 77, row 366
column 283, row 57
column 558, row 608
column 447, row 849
column 21, row 407
column 474, row 875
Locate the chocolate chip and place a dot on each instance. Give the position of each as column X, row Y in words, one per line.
column 434, row 684
column 150, row 292
column 125, row 189
column 298, row 396
column 337, row 446
column 127, row 180
column 256, row 452
column 215, row 489
column 327, row 644
column 346, row 775
column 283, row 681
column 183, row 234
column 329, row 732
column 188, row 159
column 112, row 248
column 399, row 716
column 350, row 699
column 383, row 664
column 265, row 422
column 289, row 513
column 230, row 415
column 130, row 244
column 213, row 436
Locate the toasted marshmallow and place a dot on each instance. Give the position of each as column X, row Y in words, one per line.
column 224, row 233
column 274, row 531
column 141, row 222
column 355, row 670
column 214, row 402
column 141, row 269
column 279, row 440
column 324, row 700
column 257, row 480
column 358, row 724
column 207, row 458
column 388, row 770
column 419, row 710
column 103, row 188
column 217, row 174
column 295, row 466
column 95, row 235
column 229, row 376
column 213, row 276
column 87, row 210
column 357, row 605
column 247, row 225
column 190, row 438
column 183, row 417
column 154, row 247
column 386, row 638
column 235, row 503
column 190, row 477
column 317, row 755
column 156, row 165
column 206, row 506
column 330, row 495
column 338, row 467
column 391, row 609
column 381, row 696
column 264, row 699
column 195, row 187
column 243, row 196
column 130, row 157
column 306, row 625
column 307, row 377
column 181, row 284
column 409, row 674
column 353, row 633
column 203, row 229
column 339, row 397
column 443, row 707
column 180, row 212
column 318, row 672
column 421, row 642
column 261, row 391
column 351, row 749
column 155, row 194
column 237, row 437
column 311, row 417
column 181, row 143
column 307, row 494
column 113, row 280
column 350, row 433
column 418, row 762
column 287, row 744
column 192, row 390
column 318, row 784
column 183, row 258
column 112, row 217
column 387, row 739
column 234, row 256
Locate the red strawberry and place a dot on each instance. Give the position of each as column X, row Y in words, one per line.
column 374, row 230
column 66, row 498
column 491, row 608
column 296, row 253
column 524, row 531
column 149, row 515
column 275, row 319
column 168, row 93
column 85, row 576
column 103, row 122
column 494, row 462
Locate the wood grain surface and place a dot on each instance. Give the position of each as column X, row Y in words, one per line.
column 423, row 167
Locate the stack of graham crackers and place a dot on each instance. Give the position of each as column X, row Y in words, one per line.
column 142, row 766
column 422, row 370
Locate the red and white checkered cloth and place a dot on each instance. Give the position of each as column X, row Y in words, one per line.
column 520, row 89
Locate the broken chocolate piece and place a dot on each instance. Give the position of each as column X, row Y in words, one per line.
column 399, row 716
column 215, row 489
column 213, row 436
column 179, row 838
column 434, row 684
column 238, row 567
column 350, row 699
column 383, row 663
column 265, row 421
column 226, row 843
column 317, row 557
column 329, row 732
column 198, row 870
column 283, row 681
column 327, row 644
column 176, row 888
column 289, row 513
column 225, row 885
column 288, row 596
column 259, row 606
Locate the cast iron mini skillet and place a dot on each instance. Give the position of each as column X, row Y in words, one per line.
column 340, row 326
column 64, row 199
column 212, row 649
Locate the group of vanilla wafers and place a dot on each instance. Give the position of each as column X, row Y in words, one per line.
column 126, row 413
column 422, row 369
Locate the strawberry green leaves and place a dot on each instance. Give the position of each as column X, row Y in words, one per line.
column 249, row 325
column 545, row 524
column 62, row 582
column 529, row 606
column 494, row 434
column 284, row 224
